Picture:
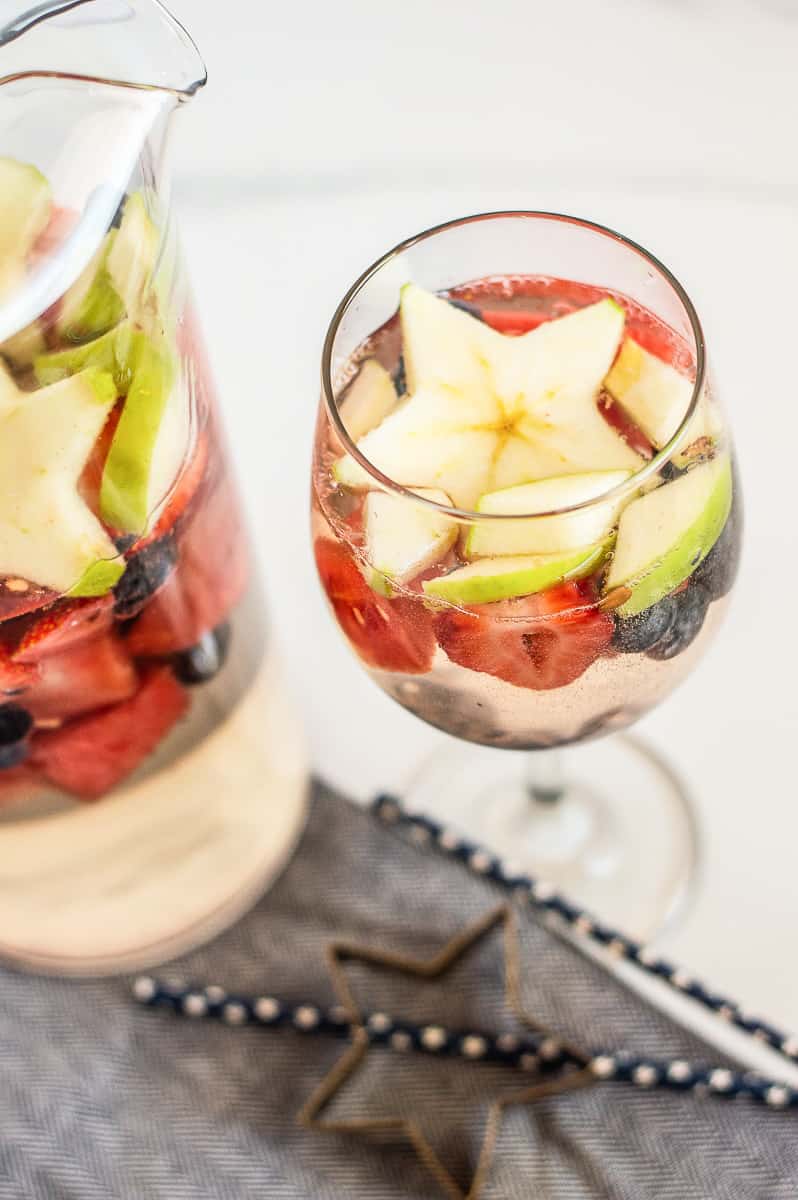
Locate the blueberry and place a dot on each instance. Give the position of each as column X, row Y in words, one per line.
column 717, row 572
column 634, row 635
column 399, row 379
column 15, row 726
column 146, row 572
column 691, row 609
column 200, row 663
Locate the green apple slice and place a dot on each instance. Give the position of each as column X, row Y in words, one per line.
column 493, row 579
column 132, row 255
column 48, row 534
column 108, row 353
column 402, row 538
column 546, row 535
column 25, row 206
column 126, row 491
column 664, row 535
column 421, row 445
column 487, row 411
column 368, row 399
column 656, row 396
column 116, row 280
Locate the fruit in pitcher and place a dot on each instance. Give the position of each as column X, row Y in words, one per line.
column 90, row 756
column 492, row 579
column 540, row 642
column 25, row 205
column 391, row 635
column 547, row 535
column 656, row 397
column 62, row 627
column 16, row 724
column 665, row 534
column 91, row 674
column 146, row 573
column 403, row 539
column 116, row 280
column 210, row 578
column 487, row 411
column 48, row 534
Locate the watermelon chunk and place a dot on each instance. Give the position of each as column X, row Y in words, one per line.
column 91, row 756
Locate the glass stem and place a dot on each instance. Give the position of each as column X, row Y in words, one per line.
column 545, row 780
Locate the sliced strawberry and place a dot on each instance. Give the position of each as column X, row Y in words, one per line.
column 512, row 321
column 15, row 677
column 91, row 479
column 539, row 642
column 18, row 597
column 88, row 675
column 91, row 756
column 391, row 635
column 63, row 626
column 210, row 578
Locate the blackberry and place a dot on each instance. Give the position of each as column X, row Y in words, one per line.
column 146, row 572
column 691, row 610
column 15, row 726
column 202, row 662
column 638, row 634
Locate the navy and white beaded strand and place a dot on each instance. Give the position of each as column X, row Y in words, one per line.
column 539, row 1054
column 544, row 896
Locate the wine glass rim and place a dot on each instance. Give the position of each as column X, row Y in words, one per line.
column 635, row 480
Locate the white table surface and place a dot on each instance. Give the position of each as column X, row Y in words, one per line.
column 330, row 132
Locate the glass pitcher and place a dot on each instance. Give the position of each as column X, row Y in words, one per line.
column 152, row 778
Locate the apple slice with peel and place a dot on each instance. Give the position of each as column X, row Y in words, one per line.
column 402, row 538
column 546, row 535
column 48, row 535
column 368, row 399
column 488, row 411
column 493, row 579
column 656, row 396
column 117, row 279
column 25, row 206
column 665, row 534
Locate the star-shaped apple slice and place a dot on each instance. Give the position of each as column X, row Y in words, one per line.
column 48, row 535
column 486, row 411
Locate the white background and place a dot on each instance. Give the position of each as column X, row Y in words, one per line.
column 330, row 131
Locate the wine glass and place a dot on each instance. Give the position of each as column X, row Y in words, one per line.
column 527, row 521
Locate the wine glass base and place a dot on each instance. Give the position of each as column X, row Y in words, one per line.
column 620, row 841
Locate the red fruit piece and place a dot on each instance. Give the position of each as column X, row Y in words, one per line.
column 63, row 626
column 91, row 756
column 538, row 642
column 512, row 321
column 211, row 575
column 90, row 674
column 19, row 597
column 14, row 676
column 91, row 477
column 391, row 635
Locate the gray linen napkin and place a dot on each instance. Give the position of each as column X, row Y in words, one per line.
column 103, row 1100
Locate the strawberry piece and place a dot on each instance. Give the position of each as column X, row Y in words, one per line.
column 512, row 321
column 64, row 625
column 88, row 675
column 18, row 597
column 91, row 478
column 14, row 676
column 211, row 575
column 391, row 635
column 539, row 642
column 91, row 756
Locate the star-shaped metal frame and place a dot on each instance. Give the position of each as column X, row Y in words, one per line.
column 340, row 952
